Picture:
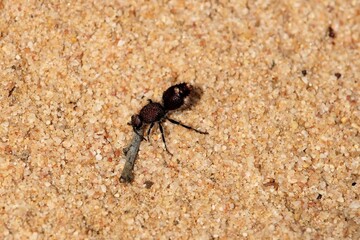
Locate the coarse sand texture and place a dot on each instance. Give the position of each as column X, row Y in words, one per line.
column 277, row 89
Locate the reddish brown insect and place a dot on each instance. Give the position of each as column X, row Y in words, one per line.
column 153, row 112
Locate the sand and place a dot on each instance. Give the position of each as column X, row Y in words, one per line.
column 279, row 88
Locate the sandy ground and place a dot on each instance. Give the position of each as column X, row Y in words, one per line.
column 279, row 84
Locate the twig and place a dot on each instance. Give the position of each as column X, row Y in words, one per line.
column 131, row 152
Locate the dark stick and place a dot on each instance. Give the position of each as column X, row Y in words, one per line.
column 131, row 152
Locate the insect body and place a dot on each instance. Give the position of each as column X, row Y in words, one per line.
column 173, row 98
